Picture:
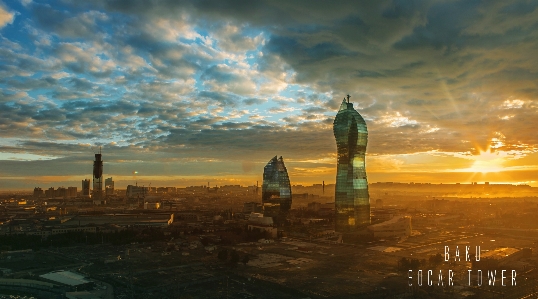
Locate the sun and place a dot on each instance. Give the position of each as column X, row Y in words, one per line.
column 487, row 161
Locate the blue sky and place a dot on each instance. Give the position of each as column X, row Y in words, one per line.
column 193, row 91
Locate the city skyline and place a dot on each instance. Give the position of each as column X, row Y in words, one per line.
column 182, row 94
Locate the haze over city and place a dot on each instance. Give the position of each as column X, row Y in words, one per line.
column 180, row 94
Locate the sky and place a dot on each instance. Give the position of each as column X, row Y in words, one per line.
column 181, row 93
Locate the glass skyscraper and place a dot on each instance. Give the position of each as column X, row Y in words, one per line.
column 276, row 190
column 352, row 201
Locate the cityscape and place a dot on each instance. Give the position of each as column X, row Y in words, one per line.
column 266, row 149
column 274, row 240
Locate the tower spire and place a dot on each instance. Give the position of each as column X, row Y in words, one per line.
column 348, row 96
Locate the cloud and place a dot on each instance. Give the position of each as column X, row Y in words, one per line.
column 84, row 25
column 229, row 82
column 253, row 101
column 397, row 120
column 6, row 17
column 26, row 2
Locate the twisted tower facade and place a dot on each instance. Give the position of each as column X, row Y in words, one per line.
column 352, row 201
column 276, row 190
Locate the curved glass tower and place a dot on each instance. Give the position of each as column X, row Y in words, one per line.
column 276, row 190
column 352, row 201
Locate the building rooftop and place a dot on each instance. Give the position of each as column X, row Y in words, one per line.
column 65, row 277
column 500, row 253
column 395, row 219
column 119, row 219
column 25, row 282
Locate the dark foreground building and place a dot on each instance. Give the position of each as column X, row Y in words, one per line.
column 98, row 179
column 352, row 201
column 276, row 190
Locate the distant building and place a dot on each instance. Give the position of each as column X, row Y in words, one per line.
column 501, row 257
column 260, row 219
column 231, row 189
column 124, row 220
column 161, row 190
column 196, row 189
column 438, row 204
column 71, row 192
column 166, row 190
column 299, row 196
column 98, row 202
column 251, row 207
column 252, row 189
column 97, row 196
column 379, row 215
column 188, row 216
column 259, row 222
column 86, row 188
column 136, row 191
column 379, row 204
column 60, row 192
column 109, row 187
column 399, row 226
column 326, row 209
column 68, row 279
column 49, row 193
column 152, row 206
column 314, row 206
column 276, row 190
column 352, row 201
column 38, row 192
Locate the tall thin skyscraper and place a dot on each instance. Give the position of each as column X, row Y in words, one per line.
column 98, row 178
column 276, row 190
column 352, row 201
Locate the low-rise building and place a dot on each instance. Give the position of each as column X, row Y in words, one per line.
column 69, row 279
column 152, row 206
column 504, row 256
